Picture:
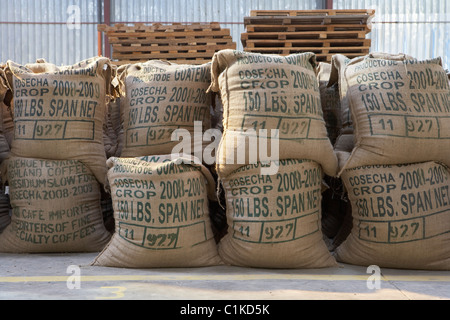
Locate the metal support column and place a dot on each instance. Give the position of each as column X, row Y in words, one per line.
column 329, row 4
column 107, row 21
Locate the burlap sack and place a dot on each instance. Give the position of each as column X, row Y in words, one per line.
column 343, row 147
column 217, row 112
column 345, row 142
column 336, row 78
column 113, row 133
column 6, row 106
column 7, row 121
column 331, row 102
column 401, row 216
column 5, row 217
column 261, row 91
column 275, row 221
column 159, row 98
column 161, row 214
column 59, row 111
column 41, row 66
column 109, row 134
column 116, row 124
column 400, row 109
column 5, row 95
column 55, row 207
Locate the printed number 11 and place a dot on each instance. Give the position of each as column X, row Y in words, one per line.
column 388, row 123
column 245, row 231
column 134, row 137
column 21, row 129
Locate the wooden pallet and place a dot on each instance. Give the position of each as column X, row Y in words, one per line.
column 325, row 12
column 324, row 32
column 180, row 43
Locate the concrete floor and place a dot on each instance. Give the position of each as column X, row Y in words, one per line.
column 54, row 276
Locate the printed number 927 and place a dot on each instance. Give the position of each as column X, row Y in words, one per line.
column 161, row 240
column 280, row 232
column 48, row 130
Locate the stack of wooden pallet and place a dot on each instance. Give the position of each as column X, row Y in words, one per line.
column 324, row 32
column 193, row 43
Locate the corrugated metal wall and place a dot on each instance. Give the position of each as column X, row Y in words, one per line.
column 31, row 29
column 420, row 28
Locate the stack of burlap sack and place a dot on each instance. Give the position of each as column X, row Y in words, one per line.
column 272, row 159
column 161, row 188
column 55, row 166
column 394, row 162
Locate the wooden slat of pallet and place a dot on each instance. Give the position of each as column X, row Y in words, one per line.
column 325, row 50
column 165, row 35
column 290, row 50
column 299, row 28
column 280, row 20
column 187, row 40
column 172, row 42
column 303, row 35
column 308, row 43
column 170, row 48
column 159, row 27
column 259, row 13
column 169, row 34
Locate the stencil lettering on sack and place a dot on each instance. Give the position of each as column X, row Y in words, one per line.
column 55, row 110
column 265, row 90
column 39, row 180
column 408, row 104
column 396, row 208
column 279, row 208
column 155, row 111
column 157, row 215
